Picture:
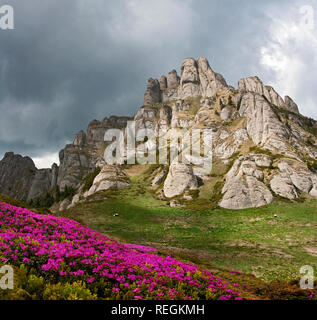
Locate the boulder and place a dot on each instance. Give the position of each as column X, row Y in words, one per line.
column 174, row 204
column 226, row 113
column 246, row 192
column 109, row 177
column 179, row 179
column 244, row 187
column 282, row 185
column 293, row 176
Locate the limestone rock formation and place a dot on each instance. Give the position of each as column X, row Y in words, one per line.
column 158, row 177
column 16, row 175
column 293, row 177
column 255, row 85
column 172, row 79
column 80, row 139
column 86, row 152
column 282, row 185
column 244, row 187
column 190, row 83
column 210, row 81
column 264, row 126
column 179, row 179
column 19, row 178
column 153, row 93
column 262, row 146
column 197, row 79
column 109, row 177
column 74, row 164
column 42, row 181
column 290, row 104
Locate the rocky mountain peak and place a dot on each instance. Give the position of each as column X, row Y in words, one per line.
column 197, row 79
column 262, row 147
column 255, row 85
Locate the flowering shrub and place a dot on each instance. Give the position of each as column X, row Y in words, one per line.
column 73, row 261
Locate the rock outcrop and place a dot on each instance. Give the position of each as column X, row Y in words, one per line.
column 210, row 81
column 244, row 187
column 19, row 178
column 86, row 152
column 255, row 85
column 179, row 179
column 153, row 92
column 197, row 79
column 293, row 177
column 264, row 127
column 158, row 177
column 109, row 177
column 263, row 147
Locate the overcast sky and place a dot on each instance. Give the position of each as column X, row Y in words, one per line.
column 69, row 62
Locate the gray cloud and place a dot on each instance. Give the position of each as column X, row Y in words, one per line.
column 69, row 62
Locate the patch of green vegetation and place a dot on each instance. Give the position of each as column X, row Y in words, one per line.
column 312, row 165
column 310, row 142
column 88, row 181
column 256, row 149
column 45, row 201
column 194, row 105
column 49, row 198
column 309, row 124
column 14, row 202
column 29, row 285
column 251, row 240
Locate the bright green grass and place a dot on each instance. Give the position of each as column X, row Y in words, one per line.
column 251, row 241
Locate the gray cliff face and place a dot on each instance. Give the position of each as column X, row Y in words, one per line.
column 87, row 150
column 264, row 121
column 42, row 182
column 19, row 178
column 265, row 147
column 16, row 175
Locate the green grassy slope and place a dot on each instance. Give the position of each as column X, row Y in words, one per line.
column 251, row 241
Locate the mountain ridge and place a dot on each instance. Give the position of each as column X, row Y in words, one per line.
column 268, row 148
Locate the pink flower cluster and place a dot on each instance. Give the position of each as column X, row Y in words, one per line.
column 70, row 251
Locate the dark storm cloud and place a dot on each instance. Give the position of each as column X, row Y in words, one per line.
column 69, row 62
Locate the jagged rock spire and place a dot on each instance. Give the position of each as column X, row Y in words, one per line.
column 255, row 85
column 197, row 79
